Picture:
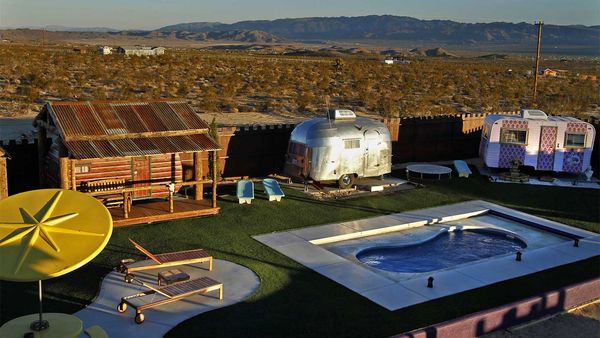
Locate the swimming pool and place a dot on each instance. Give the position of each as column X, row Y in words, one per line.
column 447, row 249
column 333, row 250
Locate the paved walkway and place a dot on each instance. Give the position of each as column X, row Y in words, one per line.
column 239, row 284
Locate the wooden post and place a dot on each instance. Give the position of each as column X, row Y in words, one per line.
column 199, row 188
column 537, row 61
column 73, row 177
column 125, row 204
column 3, row 177
column 64, row 172
column 63, row 161
column 215, row 179
column 42, row 149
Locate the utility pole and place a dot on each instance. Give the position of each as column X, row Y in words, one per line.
column 537, row 60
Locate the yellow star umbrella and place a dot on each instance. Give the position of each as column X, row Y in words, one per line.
column 50, row 232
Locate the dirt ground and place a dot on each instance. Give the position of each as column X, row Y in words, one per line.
column 582, row 322
column 260, row 118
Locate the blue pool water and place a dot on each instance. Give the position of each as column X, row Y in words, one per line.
column 446, row 250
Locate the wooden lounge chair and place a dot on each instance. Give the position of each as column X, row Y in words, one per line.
column 245, row 191
column 157, row 296
column 273, row 189
column 462, row 168
column 165, row 260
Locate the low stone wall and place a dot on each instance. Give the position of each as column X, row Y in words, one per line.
column 512, row 314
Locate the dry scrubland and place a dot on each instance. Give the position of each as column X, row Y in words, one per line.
column 233, row 82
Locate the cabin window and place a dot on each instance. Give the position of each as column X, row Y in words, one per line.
column 513, row 136
column 81, row 169
column 352, row 143
column 574, row 140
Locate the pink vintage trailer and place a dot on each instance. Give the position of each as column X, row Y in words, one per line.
column 552, row 143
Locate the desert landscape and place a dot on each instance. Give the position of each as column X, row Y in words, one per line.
column 281, row 77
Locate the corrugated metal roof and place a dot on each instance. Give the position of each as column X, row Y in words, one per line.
column 141, row 146
column 129, row 128
column 82, row 120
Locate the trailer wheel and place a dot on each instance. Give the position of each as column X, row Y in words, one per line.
column 346, row 181
column 139, row 318
column 122, row 307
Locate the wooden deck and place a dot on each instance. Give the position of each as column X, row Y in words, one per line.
column 155, row 211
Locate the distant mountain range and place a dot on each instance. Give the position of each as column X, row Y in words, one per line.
column 374, row 27
column 252, row 36
column 389, row 27
column 58, row 28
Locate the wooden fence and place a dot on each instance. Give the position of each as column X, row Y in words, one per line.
column 260, row 150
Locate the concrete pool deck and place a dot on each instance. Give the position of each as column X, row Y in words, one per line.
column 239, row 283
column 307, row 246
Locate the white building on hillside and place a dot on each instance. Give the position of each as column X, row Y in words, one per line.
column 141, row 50
column 105, row 50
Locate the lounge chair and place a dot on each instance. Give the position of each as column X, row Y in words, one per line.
column 245, row 191
column 273, row 189
column 165, row 260
column 157, row 296
column 462, row 168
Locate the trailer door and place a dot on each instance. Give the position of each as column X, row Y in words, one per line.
column 545, row 160
column 372, row 153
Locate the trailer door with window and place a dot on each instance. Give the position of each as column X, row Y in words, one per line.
column 373, row 154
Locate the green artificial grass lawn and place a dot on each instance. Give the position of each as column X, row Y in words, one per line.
column 295, row 301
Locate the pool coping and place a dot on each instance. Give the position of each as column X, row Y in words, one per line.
column 302, row 245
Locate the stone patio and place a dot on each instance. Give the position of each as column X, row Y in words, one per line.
column 239, row 284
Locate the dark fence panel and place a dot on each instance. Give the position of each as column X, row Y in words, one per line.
column 22, row 168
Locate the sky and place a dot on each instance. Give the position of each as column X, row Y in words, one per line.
column 151, row 14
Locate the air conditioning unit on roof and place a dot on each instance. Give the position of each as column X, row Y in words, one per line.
column 341, row 114
column 533, row 114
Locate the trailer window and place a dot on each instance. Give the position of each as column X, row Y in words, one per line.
column 513, row 136
column 352, row 143
column 296, row 148
column 574, row 140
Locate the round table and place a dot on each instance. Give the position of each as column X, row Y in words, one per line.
column 62, row 325
column 428, row 169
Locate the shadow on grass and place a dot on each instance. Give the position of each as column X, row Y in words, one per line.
column 300, row 309
column 67, row 294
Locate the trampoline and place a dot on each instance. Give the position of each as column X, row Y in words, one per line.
column 428, row 169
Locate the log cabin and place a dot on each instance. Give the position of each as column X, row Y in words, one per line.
column 126, row 148
column 3, row 173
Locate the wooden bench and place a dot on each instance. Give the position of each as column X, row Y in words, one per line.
column 114, row 196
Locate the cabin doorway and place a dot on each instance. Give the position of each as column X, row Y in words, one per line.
column 140, row 174
column 371, row 158
column 545, row 160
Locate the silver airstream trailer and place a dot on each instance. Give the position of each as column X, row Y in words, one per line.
column 340, row 147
